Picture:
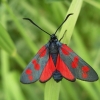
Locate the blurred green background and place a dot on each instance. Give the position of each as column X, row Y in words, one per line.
column 20, row 40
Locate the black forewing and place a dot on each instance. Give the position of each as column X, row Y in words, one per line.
column 34, row 69
column 79, row 68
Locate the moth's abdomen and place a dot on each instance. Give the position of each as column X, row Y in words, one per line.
column 57, row 76
column 53, row 50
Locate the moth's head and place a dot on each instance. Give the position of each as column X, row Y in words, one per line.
column 53, row 37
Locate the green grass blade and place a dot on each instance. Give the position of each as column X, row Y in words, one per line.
column 52, row 90
column 21, row 29
column 69, row 26
column 94, row 3
column 6, row 42
column 4, row 72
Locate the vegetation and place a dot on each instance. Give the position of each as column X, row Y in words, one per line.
column 20, row 41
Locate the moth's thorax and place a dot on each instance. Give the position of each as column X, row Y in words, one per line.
column 53, row 47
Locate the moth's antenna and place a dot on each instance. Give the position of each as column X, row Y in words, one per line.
column 37, row 25
column 63, row 22
column 63, row 35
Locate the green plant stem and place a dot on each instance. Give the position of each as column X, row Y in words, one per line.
column 20, row 61
column 22, row 30
column 4, row 72
column 94, row 3
column 52, row 88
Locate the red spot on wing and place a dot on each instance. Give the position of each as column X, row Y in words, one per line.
column 28, row 71
column 75, row 62
column 64, row 51
column 48, row 70
column 67, row 48
column 30, row 77
column 42, row 51
column 85, row 70
column 64, row 70
column 84, row 75
column 36, row 65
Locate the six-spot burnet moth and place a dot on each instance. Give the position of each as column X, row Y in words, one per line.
column 57, row 60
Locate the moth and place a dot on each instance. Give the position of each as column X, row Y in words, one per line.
column 57, row 60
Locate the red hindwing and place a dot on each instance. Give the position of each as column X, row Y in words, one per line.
column 64, row 70
column 48, row 70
